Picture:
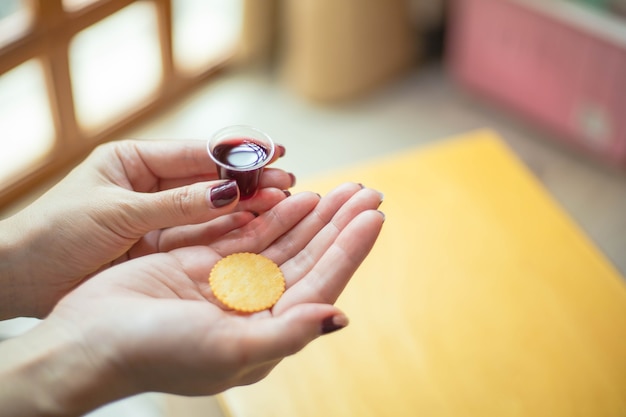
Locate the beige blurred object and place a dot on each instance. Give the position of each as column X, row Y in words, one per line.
column 258, row 31
column 178, row 406
column 338, row 49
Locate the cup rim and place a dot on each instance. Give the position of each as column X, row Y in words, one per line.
column 255, row 133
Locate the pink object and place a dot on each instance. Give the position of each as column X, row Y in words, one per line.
column 552, row 67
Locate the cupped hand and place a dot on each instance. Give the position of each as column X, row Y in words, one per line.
column 115, row 206
column 153, row 324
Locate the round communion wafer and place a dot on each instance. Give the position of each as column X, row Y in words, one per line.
column 247, row 282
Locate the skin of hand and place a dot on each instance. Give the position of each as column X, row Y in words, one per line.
column 125, row 200
column 153, row 324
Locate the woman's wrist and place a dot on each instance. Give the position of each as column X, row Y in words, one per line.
column 28, row 264
column 14, row 270
column 49, row 372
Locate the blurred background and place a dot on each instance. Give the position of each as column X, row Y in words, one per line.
column 336, row 81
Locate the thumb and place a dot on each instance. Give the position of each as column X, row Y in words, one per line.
column 191, row 204
column 280, row 336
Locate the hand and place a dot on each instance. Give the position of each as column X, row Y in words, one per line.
column 152, row 324
column 113, row 207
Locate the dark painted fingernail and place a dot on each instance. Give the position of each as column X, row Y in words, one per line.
column 287, row 193
column 293, row 179
column 281, row 150
column 334, row 323
column 224, row 194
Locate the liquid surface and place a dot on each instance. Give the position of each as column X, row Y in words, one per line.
column 242, row 153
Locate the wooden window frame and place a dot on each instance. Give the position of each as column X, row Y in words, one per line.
column 49, row 39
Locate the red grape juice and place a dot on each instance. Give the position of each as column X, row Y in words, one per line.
column 246, row 158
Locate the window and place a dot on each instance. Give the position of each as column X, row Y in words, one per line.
column 74, row 5
column 75, row 73
column 16, row 17
column 205, row 32
column 22, row 102
column 115, row 65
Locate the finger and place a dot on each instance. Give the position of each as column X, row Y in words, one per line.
column 273, row 338
column 318, row 231
column 191, row 204
column 141, row 165
column 206, row 233
column 365, row 199
column 279, row 152
column 257, row 235
column 169, row 183
column 270, row 178
column 264, row 200
column 277, row 178
column 330, row 274
column 297, row 238
column 202, row 234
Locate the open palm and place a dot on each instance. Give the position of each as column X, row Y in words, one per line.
column 155, row 323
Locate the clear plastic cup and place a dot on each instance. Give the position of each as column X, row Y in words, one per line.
column 240, row 153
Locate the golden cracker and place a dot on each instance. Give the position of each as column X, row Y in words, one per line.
column 247, row 282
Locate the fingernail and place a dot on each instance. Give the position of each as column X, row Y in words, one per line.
column 281, row 150
column 361, row 185
column 383, row 214
column 287, row 193
column 293, row 179
column 334, row 323
column 223, row 194
column 382, row 198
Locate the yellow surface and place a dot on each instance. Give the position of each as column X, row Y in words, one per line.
column 481, row 298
